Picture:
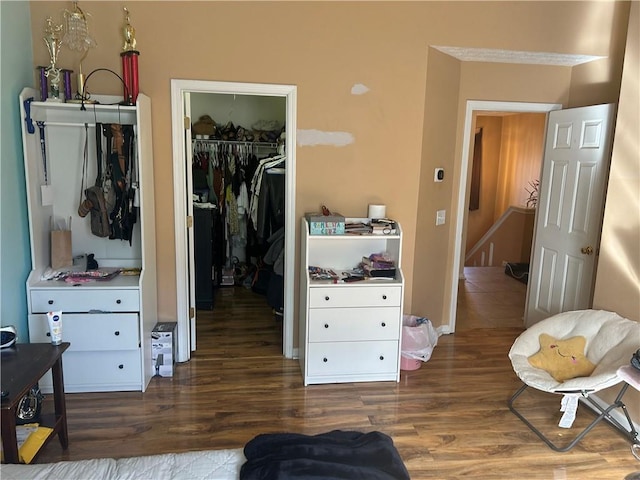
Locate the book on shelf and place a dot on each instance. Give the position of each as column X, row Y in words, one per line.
column 357, row 228
column 378, row 264
column 383, row 226
column 383, row 231
column 379, row 259
column 30, row 437
column 366, row 226
column 387, row 272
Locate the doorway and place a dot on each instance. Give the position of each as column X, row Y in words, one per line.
column 477, row 107
column 181, row 90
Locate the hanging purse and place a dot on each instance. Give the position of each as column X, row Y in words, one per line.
column 635, row 359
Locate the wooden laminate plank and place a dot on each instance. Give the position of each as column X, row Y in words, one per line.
column 449, row 419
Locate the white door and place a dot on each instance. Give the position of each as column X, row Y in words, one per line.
column 188, row 155
column 569, row 217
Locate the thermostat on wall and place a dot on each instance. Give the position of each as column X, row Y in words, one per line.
column 438, row 175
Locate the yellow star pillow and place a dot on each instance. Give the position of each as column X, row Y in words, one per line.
column 562, row 359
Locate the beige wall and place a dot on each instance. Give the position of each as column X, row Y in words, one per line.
column 409, row 122
column 520, row 158
column 480, row 221
column 510, row 240
column 512, row 148
column 618, row 280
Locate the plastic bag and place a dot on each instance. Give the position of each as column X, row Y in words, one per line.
column 418, row 338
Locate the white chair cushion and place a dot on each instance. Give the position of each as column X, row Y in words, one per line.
column 611, row 340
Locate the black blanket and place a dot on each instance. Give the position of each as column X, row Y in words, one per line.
column 333, row 455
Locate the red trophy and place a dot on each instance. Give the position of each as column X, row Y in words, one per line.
column 130, row 62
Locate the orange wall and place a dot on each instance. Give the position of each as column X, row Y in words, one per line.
column 325, row 48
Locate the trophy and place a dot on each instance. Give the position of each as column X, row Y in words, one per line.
column 129, row 62
column 52, row 33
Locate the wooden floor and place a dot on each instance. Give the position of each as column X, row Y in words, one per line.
column 449, row 419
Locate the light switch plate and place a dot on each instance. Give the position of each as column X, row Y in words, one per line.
column 438, row 174
column 440, row 217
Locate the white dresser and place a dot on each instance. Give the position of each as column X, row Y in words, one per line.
column 108, row 323
column 349, row 332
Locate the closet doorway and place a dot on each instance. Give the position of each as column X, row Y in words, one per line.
column 185, row 113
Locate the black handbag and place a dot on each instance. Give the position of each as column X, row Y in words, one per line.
column 30, row 406
column 635, row 359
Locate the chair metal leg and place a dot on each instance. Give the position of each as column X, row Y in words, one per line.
column 603, row 413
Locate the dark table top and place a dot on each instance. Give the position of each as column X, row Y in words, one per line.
column 23, row 364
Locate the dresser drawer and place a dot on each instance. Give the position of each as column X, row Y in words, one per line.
column 98, row 372
column 348, row 324
column 90, row 332
column 352, row 358
column 79, row 300
column 102, row 371
column 352, row 296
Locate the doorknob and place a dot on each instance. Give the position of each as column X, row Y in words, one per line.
column 587, row 250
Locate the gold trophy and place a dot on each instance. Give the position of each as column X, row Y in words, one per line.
column 52, row 34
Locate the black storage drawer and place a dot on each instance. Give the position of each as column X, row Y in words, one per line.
column 203, row 232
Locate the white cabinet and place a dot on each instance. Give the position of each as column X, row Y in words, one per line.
column 108, row 323
column 349, row 332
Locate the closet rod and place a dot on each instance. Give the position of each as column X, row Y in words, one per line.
column 68, row 124
column 78, row 124
column 235, row 142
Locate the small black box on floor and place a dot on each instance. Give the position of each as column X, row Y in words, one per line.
column 163, row 348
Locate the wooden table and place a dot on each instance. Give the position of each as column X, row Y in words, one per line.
column 22, row 366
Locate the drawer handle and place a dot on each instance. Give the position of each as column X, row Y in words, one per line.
column 383, row 324
column 381, row 357
column 118, row 301
column 116, row 333
column 121, row 366
column 327, row 298
column 325, row 360
column 326, row 325
column 50, row 302
column 384, row 297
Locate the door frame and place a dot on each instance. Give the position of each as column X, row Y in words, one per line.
column 463, row 183
column 178, row 89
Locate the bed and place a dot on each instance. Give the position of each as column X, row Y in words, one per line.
column 201, row 465
column 286, row 456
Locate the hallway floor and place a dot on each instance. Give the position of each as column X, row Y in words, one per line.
column 488, row 298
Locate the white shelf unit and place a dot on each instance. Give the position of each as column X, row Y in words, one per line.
column 349, row 332
column 108, row 323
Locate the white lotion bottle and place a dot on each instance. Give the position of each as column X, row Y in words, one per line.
column 55, row 327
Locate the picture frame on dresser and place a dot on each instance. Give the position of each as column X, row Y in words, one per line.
column 107, row 323
column 349, row 331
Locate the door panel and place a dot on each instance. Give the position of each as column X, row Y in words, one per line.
column 188, row 156
column 572, row 191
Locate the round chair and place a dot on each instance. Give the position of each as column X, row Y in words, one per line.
column 610, row 343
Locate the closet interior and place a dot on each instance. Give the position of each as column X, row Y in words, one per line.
column 238, row 197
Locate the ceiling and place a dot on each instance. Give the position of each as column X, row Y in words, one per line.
column 514, row 56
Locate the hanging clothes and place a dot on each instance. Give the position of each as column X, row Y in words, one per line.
column 256, row 188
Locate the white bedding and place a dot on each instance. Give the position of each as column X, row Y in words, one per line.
column 202, row 465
